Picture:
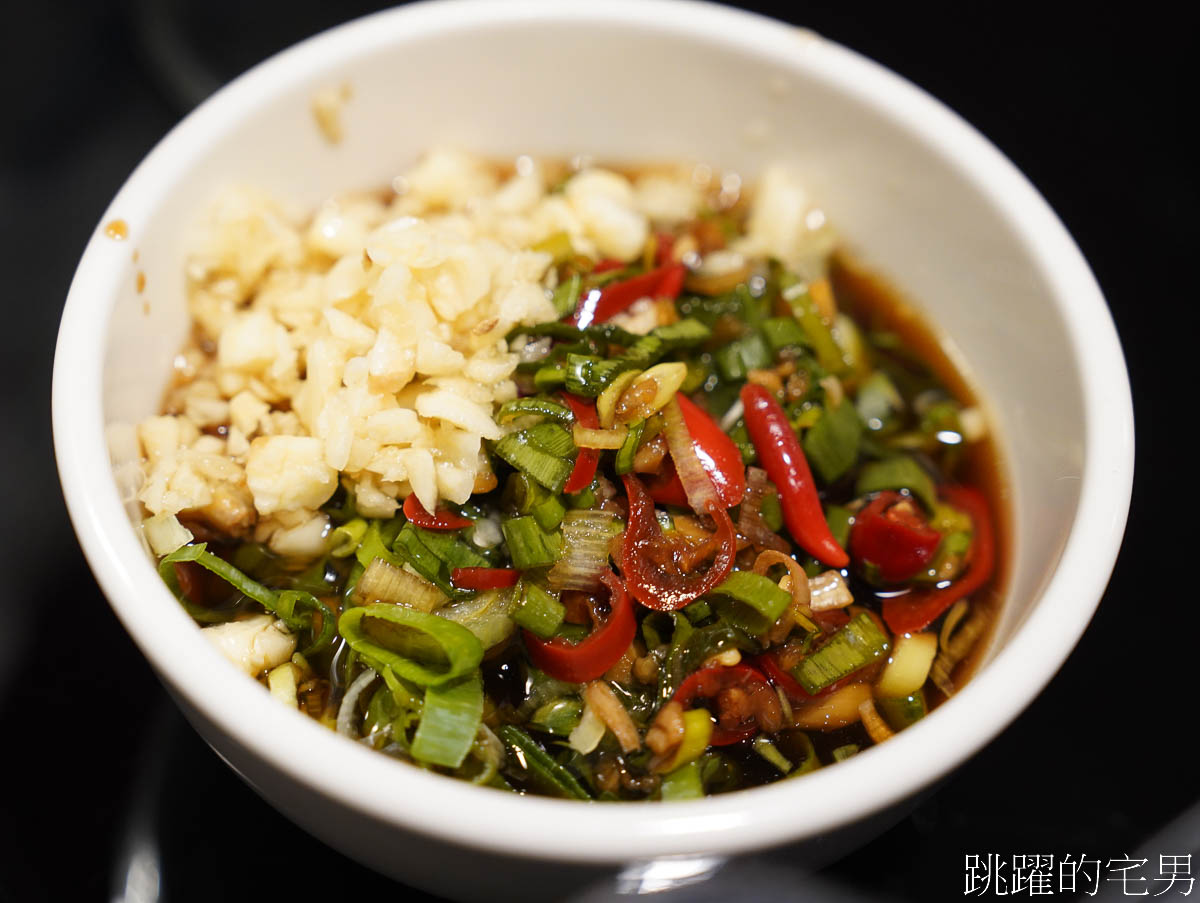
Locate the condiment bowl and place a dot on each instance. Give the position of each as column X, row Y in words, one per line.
column 920, row 197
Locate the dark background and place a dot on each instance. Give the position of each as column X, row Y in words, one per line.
column 97, row 765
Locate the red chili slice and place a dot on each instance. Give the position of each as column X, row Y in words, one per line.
column 440, row 520
column 591, row 657
column 648, row 565
column 596, row 307
column 588, row 459
column 892, row 536
column 664, row 248
column 484, row 578
column 758, row 704
column 783, row 459
column 719, row 456
column 917, row 610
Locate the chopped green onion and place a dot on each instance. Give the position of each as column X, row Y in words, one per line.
column 551, row 438
column 487, row 614
column 771, row 511
column 566, row 295
column 900, row 472
column 801, row 750
column 683, row 783
column 819, row 336
column 831, row 444
column 739, row 357
column 856, row 645
column 558, row 717
column 549, row 513
column 344, row 540
column 908, row 665
column 842, row 753
column 538, row 611
column 253, row 557
column 768, row 751
column 533, row 406
column 586, row 537
column 449, row 722
column 589, row 376
column 597, row 334
column 902, row 711
column 761, row 599
column 529, row 545
column 697, row 734
column 547, row 468
column 447, row 546
column 420, row 647
column 878, row 401
column 682, row 334
column 782, row 332
column 584, row 498
column 840, row 520
column 374, row 546
column 550, row 376
column 625, row 454
column 433, row 555
column 295, row 608
column 382, row 582
column 540, row 767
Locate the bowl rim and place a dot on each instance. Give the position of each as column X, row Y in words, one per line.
column 453, row 811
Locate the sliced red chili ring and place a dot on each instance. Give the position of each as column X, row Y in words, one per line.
column 592, row 656
column 893, row 537
column 653, row 584
column 664, row 282
column 477, row 578
column 711, row 683
column 917, row 610
column 588, row 459
column 439, row 520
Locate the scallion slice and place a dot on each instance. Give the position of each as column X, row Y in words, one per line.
column 533, row 406
column 566, row 295
column 586, row 535
column 759, row 601
column 419, row 647
column 295, row 608
column 902, row 711
column 539, row 767
column 831, row 444
column 899, row 472
column 625, row 454
column 683, row 783
column 449, row 721
column 344, row 540
column 529, row 545
column 856, row 645
column 548, row 468
column 782, row 332
column 771, row 753
column 538, row 611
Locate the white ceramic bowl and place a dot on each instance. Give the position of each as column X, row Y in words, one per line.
column 923, row 198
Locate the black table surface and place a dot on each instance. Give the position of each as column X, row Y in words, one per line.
column 108, row 794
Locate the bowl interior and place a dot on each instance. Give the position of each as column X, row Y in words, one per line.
column 919, row 196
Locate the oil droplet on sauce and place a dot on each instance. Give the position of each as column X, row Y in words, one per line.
column 141, row 282
column 117, row 230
